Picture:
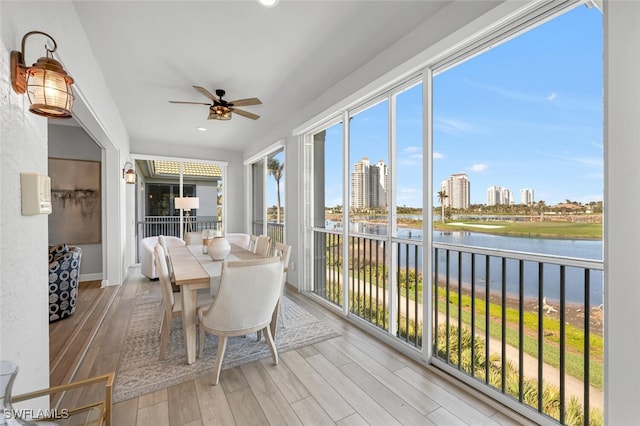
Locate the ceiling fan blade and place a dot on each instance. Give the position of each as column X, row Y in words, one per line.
column 191, row 103
column 245, row 113
column 246, row 102
column 207, row 93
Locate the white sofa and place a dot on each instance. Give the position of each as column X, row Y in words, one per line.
column 147, row 258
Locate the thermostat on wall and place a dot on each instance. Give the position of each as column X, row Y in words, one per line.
column 36, row 194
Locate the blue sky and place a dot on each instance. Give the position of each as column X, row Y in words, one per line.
column 526, row 114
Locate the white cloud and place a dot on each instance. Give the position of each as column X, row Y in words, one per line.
column 412, row 149
column 437, row 155
column 512, row 94
column 478, row 167
column 452, row 126
column 413, row 152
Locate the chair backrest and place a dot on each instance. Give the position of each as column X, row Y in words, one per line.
column 165, row 281
column 249, row 291
column 263, row 245
column 284, row 251
column 163, row 243
column 251, row 246
column 239, row 239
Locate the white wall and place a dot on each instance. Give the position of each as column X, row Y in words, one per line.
column 23, row 148
column 622, row 228
column 24, row 338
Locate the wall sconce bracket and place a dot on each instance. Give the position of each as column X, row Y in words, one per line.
column 18, row 72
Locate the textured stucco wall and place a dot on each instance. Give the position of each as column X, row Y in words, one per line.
column 24, row 307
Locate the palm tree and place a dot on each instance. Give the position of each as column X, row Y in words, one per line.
column 441, row 196
column 541, row 207
column 275, row 168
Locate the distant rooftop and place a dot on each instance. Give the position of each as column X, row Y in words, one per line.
column 172, row 168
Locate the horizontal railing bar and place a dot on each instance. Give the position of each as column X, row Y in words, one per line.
column 533, row 257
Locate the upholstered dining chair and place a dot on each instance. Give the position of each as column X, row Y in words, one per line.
column 249, row 292
column 283, row 251
column 238, row 238
column 263, row 245
column 171, row 302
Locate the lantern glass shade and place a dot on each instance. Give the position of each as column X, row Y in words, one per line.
column 50, row 93
column 130, row 176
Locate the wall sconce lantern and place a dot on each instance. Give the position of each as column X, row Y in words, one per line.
column 47, row 84
column 128, row 174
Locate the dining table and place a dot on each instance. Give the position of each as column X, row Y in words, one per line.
column 193, row 270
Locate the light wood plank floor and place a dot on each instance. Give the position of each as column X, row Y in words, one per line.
column 352, row 379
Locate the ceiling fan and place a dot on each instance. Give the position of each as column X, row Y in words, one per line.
column 221, row 109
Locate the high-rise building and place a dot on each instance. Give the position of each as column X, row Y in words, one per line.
column 506, row 197
column 458, row 190
column 497, row 195
column 369, row 183
column 526, row 196
column 493, row 195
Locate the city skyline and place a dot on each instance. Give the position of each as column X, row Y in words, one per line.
column 525, row 114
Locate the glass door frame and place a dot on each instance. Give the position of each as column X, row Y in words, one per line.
column 263, row 156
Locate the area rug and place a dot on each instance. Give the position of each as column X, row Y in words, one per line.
column 140, row 371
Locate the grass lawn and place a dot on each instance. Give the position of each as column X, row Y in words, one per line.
column 528, row 229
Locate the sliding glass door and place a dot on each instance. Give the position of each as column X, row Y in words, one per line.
column 267, row 195
column 163, row 181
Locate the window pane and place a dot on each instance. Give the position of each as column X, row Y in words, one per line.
column 326, row 171
column 275, row 196
column 257, row 221
column 409, row 163
column 368, row 154
column 206, row 179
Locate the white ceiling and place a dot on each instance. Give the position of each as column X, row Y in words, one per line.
column 151, row 52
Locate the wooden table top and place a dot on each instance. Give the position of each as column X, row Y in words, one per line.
column 191, row 266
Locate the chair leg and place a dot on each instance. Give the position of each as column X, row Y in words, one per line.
column 164, row 337
column 271, row 344
column 161, row 317
column 222, row 346
column 274, row 320
column 201, row 342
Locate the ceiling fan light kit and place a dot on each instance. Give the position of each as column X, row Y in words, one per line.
column 221, row 109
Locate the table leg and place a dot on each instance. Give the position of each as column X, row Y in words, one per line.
column 189, row 301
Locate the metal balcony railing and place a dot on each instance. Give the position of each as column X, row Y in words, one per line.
column 508, row 320
column 524, row 325
column 369, row 280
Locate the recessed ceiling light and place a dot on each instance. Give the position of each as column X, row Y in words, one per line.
column 268, row 3
column 202, row 129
